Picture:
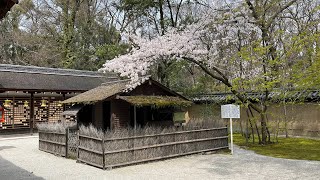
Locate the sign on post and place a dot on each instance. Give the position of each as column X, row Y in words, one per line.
column 230, row 111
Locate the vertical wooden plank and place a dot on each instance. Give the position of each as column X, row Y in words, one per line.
column 48, row 109
column 103, row 155
column 31, row 112
column 64, row 98
column 13, row 108
column 40, row 136
column 78, row 134
column 67, row 138
column 135, row 117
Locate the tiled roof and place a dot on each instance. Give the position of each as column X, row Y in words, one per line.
column 31, row 78
column 275, row 96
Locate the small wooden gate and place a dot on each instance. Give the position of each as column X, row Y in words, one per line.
column 72, row 142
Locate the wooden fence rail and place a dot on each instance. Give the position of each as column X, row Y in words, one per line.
column 114, row 152
column 61, row 144
column 52, row 142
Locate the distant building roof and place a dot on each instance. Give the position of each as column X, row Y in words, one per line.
column 32, row 78
column 5, row 6
column 292, row 96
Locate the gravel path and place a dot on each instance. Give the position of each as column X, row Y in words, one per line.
column 21, row 159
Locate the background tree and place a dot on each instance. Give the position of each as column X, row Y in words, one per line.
column 70, row 34
column 243, row 35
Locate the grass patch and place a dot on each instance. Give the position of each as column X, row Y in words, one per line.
column 289, row 148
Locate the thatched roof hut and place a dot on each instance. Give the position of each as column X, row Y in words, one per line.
column 112, row 105
column 118, row 90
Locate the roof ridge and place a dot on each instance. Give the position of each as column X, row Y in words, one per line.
column 114, row 82
column 48, row 70
column 125, row 80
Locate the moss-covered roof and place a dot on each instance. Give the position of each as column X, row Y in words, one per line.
column 139, row 98
column 99, row 93
column 158, row 101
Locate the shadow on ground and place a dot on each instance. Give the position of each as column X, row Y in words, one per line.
column 6, row 147
column 13, row 172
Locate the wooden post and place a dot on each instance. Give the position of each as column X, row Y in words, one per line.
column 67, row 137
column 13, row 113
column 78, row 146
column 48, row 109
column 64, row 98
column 231, row 136
column 31, row 112
column 134, row 117
column 103, row 154
column 135, row 127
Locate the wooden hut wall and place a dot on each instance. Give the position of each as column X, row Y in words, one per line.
column 98, row 115
column 17, row 115
column 120, row 111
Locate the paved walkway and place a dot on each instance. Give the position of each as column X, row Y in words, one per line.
column 21, row 159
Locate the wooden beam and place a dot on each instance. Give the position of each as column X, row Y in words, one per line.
column 135, row 117
column 31, row 112
column 64, row 98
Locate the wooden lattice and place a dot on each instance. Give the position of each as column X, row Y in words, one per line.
column 55, row 109
column 8, row 114
column 17, row 114
column 21, row 114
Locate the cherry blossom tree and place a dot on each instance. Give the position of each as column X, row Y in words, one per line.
column 201, row 44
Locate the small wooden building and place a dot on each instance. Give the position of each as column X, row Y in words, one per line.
column 112, row 106
column 33, row 94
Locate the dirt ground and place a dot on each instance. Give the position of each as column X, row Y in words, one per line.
column 21, row 159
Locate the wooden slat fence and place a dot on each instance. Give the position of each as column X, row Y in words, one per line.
column 108, row 153
column 52, row 142
column 62, row 144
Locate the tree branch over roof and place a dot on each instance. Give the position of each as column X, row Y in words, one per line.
column 225, row 81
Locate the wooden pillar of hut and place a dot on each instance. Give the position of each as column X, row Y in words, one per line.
column 31, row 112
column 135, row 117
column 64, row 98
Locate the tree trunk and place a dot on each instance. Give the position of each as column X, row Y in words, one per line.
column 252, row 129
column 255, row 123
column 69, row 13
column 161, row 17
column 263, row 128
column 285, row 119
